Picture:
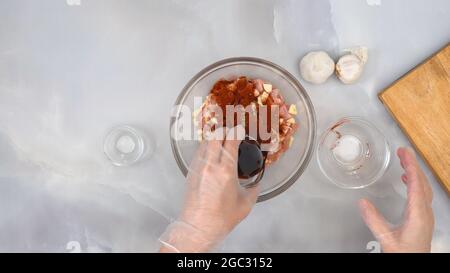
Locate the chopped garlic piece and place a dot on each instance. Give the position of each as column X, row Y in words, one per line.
column 260, row 101
column 293, row 109
column 267, row 87
column 291, row 121
column 291, row 140
column 264, row 96
column 213, row 120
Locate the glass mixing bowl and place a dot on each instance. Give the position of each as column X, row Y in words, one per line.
column 281, row 174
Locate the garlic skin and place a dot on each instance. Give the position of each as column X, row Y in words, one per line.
column 361, row 52
column 349, row 68
column 316, row 67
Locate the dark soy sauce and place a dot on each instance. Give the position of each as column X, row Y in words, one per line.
column 250, row 159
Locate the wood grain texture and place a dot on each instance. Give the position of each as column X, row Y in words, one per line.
column 420, row 103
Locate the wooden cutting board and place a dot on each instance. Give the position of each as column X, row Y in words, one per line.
column 420, row 103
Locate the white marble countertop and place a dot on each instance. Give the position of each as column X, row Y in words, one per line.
column 70, row 70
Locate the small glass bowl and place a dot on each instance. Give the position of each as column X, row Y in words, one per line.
column 125, row 145
column 352, row 153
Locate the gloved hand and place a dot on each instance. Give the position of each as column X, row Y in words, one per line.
column 215, row 202
column 416, row 231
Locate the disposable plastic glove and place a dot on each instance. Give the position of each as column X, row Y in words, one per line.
column 215, row 202
column 416, row 231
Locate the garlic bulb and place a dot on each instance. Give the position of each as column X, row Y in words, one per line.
column 316, row 67
column 350, row 66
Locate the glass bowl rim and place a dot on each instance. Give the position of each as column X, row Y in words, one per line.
column 288, row 77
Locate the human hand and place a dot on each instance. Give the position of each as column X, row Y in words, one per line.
column 215, row 202
column 416, row 231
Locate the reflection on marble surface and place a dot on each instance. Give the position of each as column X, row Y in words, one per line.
column 69, row 73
